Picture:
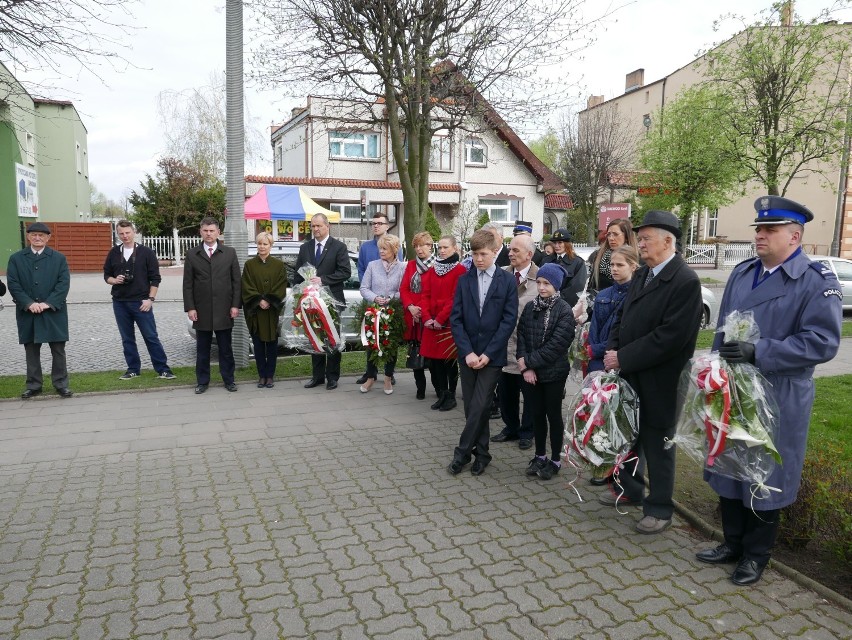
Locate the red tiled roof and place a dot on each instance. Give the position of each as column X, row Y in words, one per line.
column 624, row 178
column 347, row 182
column 558, row 201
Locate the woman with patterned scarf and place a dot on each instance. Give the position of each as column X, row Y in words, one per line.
column 439, row 290
column 411, row 295
column 545, row 331
column 619, row 232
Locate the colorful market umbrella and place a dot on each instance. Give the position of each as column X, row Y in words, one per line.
column 281, row 202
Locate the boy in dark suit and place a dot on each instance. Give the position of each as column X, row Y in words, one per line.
column 484, row 313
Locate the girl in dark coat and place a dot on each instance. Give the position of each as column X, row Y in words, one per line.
column 545, row 332
column 623, row 262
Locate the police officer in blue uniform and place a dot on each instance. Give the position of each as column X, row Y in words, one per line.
column 797, row 306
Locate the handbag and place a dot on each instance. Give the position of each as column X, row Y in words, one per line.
column 415, row 360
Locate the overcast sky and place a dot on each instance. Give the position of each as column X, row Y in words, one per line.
column 179, row 44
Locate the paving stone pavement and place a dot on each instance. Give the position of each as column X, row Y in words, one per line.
column 289, row 513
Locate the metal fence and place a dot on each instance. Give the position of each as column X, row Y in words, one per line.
column 164, row 246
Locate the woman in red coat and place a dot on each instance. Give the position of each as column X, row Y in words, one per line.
column 439, row 289
column 411, row 294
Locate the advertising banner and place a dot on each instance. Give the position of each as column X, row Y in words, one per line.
column 609, row 212
column 26, row 186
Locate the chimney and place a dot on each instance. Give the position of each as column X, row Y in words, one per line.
column 634, row 80
column 296, row 111
column 787, row 14
column 594, row 101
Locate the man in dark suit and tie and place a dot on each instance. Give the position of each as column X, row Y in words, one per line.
column 333, row 269
column 483, row 317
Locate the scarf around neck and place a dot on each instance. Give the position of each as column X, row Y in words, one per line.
column 546, row 305
column 443, row 267
column 422, row 267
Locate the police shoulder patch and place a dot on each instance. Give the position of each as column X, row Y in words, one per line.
column 822, row 270
column 832, row 292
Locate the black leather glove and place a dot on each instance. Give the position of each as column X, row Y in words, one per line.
column 737, row 352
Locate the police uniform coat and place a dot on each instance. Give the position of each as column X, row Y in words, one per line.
column 798, row 311
column 211, row 286
column 40, row 278
column 575, row 276
column 654, row 334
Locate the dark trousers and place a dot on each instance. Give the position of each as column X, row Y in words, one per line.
column 325, row 367
column 445, row 375
column 512, row 386
column 751, row 532
column 58, row 368
column 477, row 389
column 265, row 356
column 660, row 465
column 373, row 370
column 202, row 356
column 420, row 379
column 127, row 313
column 547, row 402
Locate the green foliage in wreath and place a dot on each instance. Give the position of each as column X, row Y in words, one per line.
column 391, row 330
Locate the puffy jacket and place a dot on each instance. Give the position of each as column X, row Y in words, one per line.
column 547, row 357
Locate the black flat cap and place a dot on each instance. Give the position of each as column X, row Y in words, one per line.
column 38, row 227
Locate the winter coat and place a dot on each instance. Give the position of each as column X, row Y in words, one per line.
column 607, row 303
column 42, row 278
column 211, row 286
column 575, row 276
column 438, row 295
column 527, row 291
column 409, row 297
column 654, row 334
column 263, row 281
column 546, row 351
column 798, row 310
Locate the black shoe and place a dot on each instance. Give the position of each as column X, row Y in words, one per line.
column 548, row 470
column 456, row 466
column 599, row 482
column 30, row 393
column 65, row 393
column 747, row 572
column 503, row 437
column 393, row 380
column 535, row 464
column 421, row 394
column 270, row 383
column 720, row 555
column 449, row 403
column 362, row 379
column 331, row 385
column 437, row 404
column 310, row 384
column 495, row 414
column 478, row 468
column 261, row 383
column 525, row 443
column 200, row 388
column 231, row 386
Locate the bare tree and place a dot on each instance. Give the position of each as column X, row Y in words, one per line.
column 465, row 220
column 194, row 122
column 592, row 147
column 47, row 34
column 429, row 63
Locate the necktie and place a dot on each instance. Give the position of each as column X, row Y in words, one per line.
column 518, row 278
column 648, row 278
column 319, row 253
column 210, row 251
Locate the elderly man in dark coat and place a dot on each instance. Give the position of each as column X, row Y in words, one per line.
column 39, row 281
column 652, row 339
column 797, row 306
column 211, row 299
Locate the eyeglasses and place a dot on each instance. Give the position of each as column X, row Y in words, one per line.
column 377, row 224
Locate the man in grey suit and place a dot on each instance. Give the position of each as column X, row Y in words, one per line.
column 211, row 299
column 331, row 259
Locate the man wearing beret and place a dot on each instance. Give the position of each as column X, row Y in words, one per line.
column 39, row 281
column 653, row 337
column 797, row 305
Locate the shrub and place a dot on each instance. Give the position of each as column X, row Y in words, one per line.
column 823, row 509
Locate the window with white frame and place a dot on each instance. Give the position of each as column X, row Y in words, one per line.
column 475, row 152
column 78, row 157
column 31, row 157
column 500, row 210
column 353, row 145
column 279, row 157
column 441, row 152
column 351, row 212
column 711, row 223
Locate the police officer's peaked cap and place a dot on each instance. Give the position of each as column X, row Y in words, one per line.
column 778, row 210
column 522, row 226
column 661, row 220
column 562, row 235
column 38, row 227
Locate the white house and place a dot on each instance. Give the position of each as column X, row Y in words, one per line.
column 343, row 161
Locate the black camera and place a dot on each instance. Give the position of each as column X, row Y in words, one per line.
column 128, row 276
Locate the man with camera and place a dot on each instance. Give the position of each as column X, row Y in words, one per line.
column 134, row 273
